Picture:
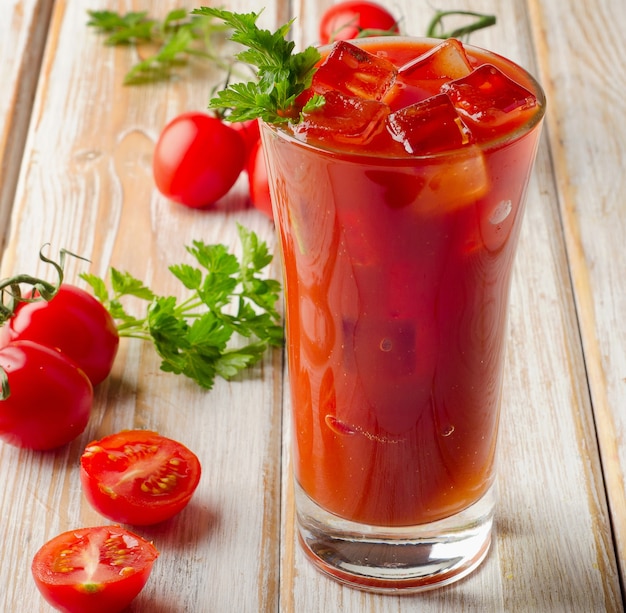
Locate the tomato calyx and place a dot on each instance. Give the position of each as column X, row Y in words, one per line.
column 11, row 295
column 11, row 292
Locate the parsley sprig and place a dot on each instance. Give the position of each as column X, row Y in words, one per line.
column 225, row 324
column 177, row 38
column 282, row 75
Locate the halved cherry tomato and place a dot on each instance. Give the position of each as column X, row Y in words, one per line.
column 354, row 18
column 138, row 477
column 197, row 159
column 93, row 570
column 258, row 182
column 72, row 321
column 50, row 397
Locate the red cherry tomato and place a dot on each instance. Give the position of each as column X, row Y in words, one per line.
column 50, row 397
column 258, row 182
column 250, row 132
column 72, row 321
column 350, row 19
column 95, row 570
column 197, row 159
column 138, row 477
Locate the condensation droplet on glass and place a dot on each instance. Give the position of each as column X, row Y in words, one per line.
column 338, row 426
column 448, row 430
column 501, row 212
column 386, row 344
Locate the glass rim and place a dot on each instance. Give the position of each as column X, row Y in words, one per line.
column 495, row 143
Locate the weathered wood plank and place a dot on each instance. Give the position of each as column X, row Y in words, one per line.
column 23, row 31
column 554, row 549
column 87, row 186
column 578, row 46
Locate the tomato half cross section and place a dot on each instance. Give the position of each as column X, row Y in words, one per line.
column 96, row 570
column 138, row 477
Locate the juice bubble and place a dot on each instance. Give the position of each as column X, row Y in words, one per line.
column 429, row 126
column 447, row 60
column 344, row 119
column 488, row 99
column 339, row 427
column 354, row 72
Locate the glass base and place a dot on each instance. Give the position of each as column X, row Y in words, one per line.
column 403, row 559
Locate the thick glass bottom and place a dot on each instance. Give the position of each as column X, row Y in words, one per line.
column 403, row 559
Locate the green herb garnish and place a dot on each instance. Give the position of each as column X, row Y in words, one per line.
column 229, row 301
column 282, row 75
column 176, row 38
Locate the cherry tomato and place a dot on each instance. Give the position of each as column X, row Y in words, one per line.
column 250, row 132
column 93, row 570
column 258, row 182
column 50, row 397
column 349, row 19
column 197, row 159
column 74, row 322
column 138, row 477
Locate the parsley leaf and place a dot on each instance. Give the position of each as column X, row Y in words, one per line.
column 178, row 37
column 226, row 323
column 282, row 75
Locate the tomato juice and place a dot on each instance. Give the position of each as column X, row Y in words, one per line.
column 398, row 219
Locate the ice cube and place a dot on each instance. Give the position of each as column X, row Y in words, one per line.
column 354, row 72
column 453, row 182
column 487, row 98
column 343, row 118
column 447, row 60
column 429, row 126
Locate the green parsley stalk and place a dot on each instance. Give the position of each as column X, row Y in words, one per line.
column 282, row 75
column 225, row 324
column 193, row 337
column 176, row 39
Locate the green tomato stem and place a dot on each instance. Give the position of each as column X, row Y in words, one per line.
column 435, row 28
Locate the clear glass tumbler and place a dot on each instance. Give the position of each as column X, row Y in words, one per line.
column 396, row 276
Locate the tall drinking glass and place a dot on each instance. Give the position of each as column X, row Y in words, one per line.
column 397, row 260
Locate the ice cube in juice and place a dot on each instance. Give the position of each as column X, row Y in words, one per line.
column 489, row 100
column 354, row 72
column 344, row 119
column 429, row 126
column 447, row 60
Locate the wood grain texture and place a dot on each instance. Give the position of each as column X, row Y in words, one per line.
column 587, row 138
column 86, row 185
column 23, row 30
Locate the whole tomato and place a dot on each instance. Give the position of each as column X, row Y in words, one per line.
column 197, row 159
column 46, row 399
column 258, row 181
column 354, row 18
column 250, row 132
column 72, row 321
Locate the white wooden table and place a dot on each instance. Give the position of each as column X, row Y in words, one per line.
column 75, row 171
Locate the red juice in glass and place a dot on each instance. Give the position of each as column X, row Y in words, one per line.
column 398, row 205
